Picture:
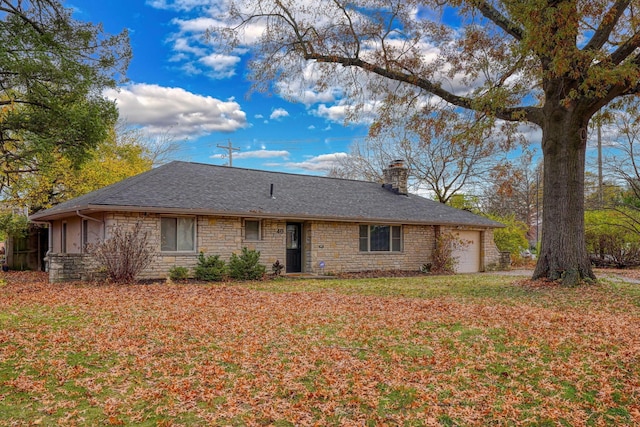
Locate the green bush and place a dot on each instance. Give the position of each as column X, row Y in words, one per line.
column 611, row 239
column 246, row 266
column 512, row 238
column 210, row 268
column 178, row 273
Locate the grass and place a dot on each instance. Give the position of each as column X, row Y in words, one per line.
column 449, row 350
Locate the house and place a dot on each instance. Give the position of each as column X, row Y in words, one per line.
column 312, row 224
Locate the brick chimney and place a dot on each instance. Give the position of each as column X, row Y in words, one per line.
column 395, row 177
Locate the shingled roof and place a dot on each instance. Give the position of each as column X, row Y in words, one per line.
column 203, row 189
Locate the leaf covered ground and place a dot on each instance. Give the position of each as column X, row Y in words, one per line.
column 447, row 350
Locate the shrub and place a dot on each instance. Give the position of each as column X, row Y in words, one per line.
column 246, row 266
column 277, row 267
column 124, row 255
column 210, row 268
column 178, row 273
column 609, row 239
column 512, row 238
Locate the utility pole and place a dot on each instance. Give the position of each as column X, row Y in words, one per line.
column 600, row 180
column 230, row 149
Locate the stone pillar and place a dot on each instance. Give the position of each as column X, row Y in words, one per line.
column 69, row 267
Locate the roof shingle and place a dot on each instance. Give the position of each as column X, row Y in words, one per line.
column 181, row 187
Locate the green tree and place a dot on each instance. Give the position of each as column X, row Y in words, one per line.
column 53, row 70
column 550, row 63
column 513, row 237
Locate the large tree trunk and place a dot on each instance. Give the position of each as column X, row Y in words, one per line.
column 563, row 254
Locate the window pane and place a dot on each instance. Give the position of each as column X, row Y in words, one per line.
column 292, row 236
column 379, row 237
column 396, row 238
column 185, row 234
column 168, row 234
column 364, row 238
column 252, row 230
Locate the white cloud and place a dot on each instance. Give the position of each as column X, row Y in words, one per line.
column 181, row 5
column 321, row 163
column 262, row 154
column 196, row 25
column 278, row 113
column 222, row 65
column 304, row 89
column 183, row 114
column 198, row 55
column 338, row 113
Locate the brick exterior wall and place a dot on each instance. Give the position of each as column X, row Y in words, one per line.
column 336, row 244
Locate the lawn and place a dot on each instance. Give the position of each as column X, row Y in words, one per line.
column 469, row 350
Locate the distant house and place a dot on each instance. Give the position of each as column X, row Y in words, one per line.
column 311, row 224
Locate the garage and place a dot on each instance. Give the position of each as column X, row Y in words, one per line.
column 468, row 257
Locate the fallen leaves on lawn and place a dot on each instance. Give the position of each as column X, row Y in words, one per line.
column 228, row 355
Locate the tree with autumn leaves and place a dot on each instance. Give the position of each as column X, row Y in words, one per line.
column 550, row 63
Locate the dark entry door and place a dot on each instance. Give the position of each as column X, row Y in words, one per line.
column 294, row 248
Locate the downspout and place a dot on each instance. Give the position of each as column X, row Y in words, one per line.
column 87, row 217
column 101, row 221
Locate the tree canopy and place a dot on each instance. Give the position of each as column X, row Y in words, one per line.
column 121, row 155
column 551, row 63
column 53, row 70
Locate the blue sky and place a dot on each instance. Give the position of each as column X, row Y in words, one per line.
column 178, row 84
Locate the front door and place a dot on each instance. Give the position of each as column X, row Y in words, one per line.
column 294, row 248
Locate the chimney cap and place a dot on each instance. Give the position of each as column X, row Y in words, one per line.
column 397, row 163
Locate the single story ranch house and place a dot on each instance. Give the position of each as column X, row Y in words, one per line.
column 312, row 224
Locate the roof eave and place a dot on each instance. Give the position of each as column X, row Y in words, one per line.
column 88, row 209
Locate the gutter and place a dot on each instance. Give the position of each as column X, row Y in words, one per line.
column 261, row 214
column 88, row 217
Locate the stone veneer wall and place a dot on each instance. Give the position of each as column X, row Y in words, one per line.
column 65, row 267
column 334, row 243
column 214, row 236
column 337, row 244
column 492, row 255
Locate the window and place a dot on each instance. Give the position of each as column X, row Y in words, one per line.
column 380, row 238
column 63, row 240
column 85, row 235
column 251, row 229
column 178, row 234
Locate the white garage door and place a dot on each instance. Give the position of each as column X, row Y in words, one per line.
column 468, row 256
